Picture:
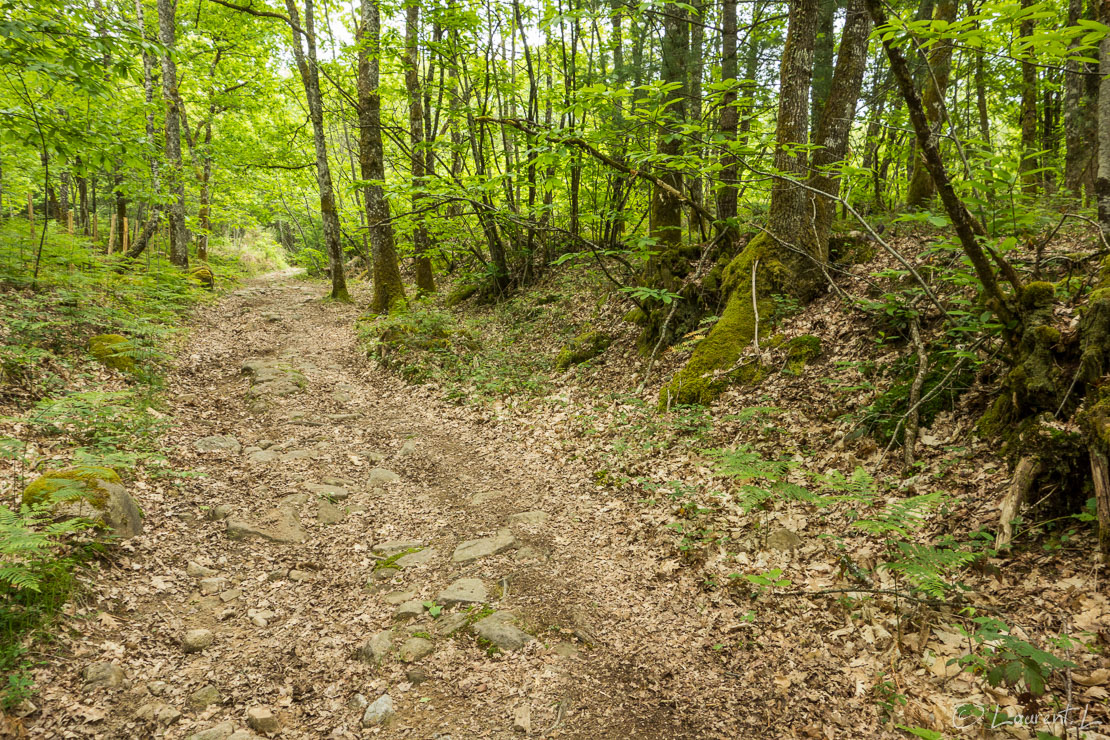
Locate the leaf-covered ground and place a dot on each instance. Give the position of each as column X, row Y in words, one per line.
column 698, row 574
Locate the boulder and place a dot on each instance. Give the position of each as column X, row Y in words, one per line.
column 113, row 350
column 90, row 492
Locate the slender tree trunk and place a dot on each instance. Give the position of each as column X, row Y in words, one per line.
column 421, row 243
column 666, row 209
column 305, row 57
column 388, row 288
column 82, row 195
column 1029, row 161
column 179, row 245
column 727, row 194
column 1102, row 181
column 981, row 88
column 836, row 120
column 934, row 86
column 204, row 219
column 696, row 186
column 790, row 217
column 823, row 60
column 1081, row 97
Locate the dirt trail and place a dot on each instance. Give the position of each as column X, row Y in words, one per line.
column 270, row 550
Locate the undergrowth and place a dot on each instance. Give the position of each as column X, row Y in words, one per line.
column 55, row 395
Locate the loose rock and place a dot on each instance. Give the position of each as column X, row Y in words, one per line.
column 486, row 546
column 204, row 696
column 218, row 443
column 499, row 630
column 380, row 712
column 416, row 648
column 463, row 591
column 409, row 610
column 377, row 648
column 103, row 675
column 222, row 731
column 261, row 719
column 197, row 640
column 380, row 476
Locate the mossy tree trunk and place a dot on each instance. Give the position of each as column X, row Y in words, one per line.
column 770, row 262
column 838, row 112
column 671, row 261
column 421, row 241
column 388, row 288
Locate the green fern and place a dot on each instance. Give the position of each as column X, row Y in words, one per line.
column 32, row 538
column 903, row 516
column 759, row 479
column 928, row 569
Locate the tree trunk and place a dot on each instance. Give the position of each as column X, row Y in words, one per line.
column 822, row 61
column 1029, row 161
column 696, row 186
column 179, row 245
column 727, row 194
column 1081, row 96
column 934, row 86
column 789, row 219
column 388, row 288
column 765, row 266
column 1102, row 180
column 421, row 243
column 310, row 77
column 836, row 120
column 204, row 218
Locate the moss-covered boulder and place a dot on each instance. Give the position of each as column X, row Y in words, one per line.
column 203, row 275
column 113, row 350
column 583, row 347
column 90, row 492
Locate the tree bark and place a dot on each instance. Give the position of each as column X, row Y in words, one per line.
column 790, row 217
column 934, row 86
column 305, row 57
column 421, row 243
column 1102, row 180
column 179, row 245
column 836, row 120
column 1081, row 96
column 822, row 61
column 727, row 194
column 388, row 288
column 1029, row 162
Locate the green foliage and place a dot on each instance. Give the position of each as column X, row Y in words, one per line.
column 1004, row 658
column 759, row 480
column 112, row 428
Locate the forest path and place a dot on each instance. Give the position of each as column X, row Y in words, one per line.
column 262, row 596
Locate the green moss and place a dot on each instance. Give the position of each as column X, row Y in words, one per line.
column 461, row 293
column 203, row 274
column 391, row 561
column 111, row 350
column 885, row 413
column 635, row 316
column 800, row 351
column 710, row 368
column 87, row 477
column 1037, row 295
column 583, row 347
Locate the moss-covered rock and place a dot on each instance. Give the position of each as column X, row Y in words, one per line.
column 711, row 367
column 203, row 274
column 113, row 350
column 90, row 492
column 583, row 347
column 852, row 248
column 800, row 351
